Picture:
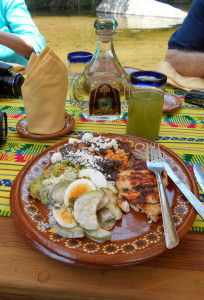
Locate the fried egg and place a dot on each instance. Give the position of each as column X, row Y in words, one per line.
column 95, row 176
column 63, row 216
column 77, row 188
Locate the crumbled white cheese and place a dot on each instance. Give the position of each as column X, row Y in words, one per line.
column 72, row 140
column 97, row 143
column 57, row 156
column 87, row 137
column 83, row 157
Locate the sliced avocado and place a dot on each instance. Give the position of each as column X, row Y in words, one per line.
column 99, row 235
column 57, row 192
column 76, row 232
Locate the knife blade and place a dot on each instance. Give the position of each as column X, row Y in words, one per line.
column 195, row 202
column 199, row 174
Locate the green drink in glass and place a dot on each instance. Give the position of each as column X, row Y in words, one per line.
column 145, row 104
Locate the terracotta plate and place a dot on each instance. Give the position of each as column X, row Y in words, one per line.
column 134, row 239
column 22, row 129
column 171, row 102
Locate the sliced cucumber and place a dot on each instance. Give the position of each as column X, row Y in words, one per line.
column 112, row 187
column 106, row 219
column 85, row 209
column 107, row 225
column 57, row 192
column 99, row 235
column 44, row 195
column 103, row 202
column 76, row 232
column 112, row 205
column 105, row 215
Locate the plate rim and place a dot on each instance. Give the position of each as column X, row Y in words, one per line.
column 18, row 216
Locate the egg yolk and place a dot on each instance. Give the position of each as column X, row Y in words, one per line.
column 66, row 216
column 79, row 190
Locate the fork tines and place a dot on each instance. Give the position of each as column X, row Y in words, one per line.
column 153, row 152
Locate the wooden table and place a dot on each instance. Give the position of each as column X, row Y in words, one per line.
column 27, row 274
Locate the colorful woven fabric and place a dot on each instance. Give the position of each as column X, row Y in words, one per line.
column 181, row 131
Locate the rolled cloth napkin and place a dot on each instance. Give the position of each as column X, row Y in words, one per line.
column 176, row 80
column 44, row 93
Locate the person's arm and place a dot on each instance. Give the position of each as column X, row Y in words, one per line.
column 186, row 63
column 19, row 43
column 186, row 45
column 20, row 22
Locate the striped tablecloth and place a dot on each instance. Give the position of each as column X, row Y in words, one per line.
column 181, row 131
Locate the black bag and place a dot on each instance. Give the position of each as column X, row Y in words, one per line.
column 195, row 97
column 10, row 82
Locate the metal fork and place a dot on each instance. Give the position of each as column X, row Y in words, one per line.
column 155, row 164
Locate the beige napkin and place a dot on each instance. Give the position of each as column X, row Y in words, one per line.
column 176, row 80
column 16, row 67
column 44, row 93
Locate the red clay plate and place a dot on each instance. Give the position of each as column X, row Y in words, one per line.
column 133, row 241
column 22, row 129
column 171, row 102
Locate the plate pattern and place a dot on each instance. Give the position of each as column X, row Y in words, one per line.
column 38, row 217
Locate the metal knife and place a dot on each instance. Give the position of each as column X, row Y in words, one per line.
column 199, row 174
column 195, row 202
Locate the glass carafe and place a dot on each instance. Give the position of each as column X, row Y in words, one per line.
column 102, row 90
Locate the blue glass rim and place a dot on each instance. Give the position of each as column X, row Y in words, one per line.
column 79, row 57
column 156, row 79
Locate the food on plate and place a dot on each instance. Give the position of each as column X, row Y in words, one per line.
column 63, row 216
column 57, row 192
column 70, row 233
column 35, row 187
column 85, row 209
column 99, row 235
column 103, row 154
column 91, row 182
column 95, row 176
column 111, row 205
column 138, row 189
column 40, row 187
column 75, row 197
column 77, row 188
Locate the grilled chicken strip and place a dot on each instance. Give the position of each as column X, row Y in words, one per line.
column 138, row 189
